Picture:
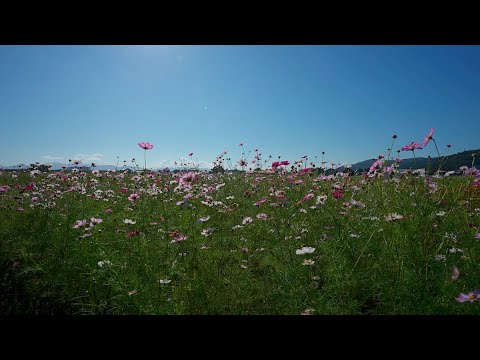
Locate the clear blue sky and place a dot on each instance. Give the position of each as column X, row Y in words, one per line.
column 98, row 102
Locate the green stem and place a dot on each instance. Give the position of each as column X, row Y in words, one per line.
column 438, row 153
column 391, row 147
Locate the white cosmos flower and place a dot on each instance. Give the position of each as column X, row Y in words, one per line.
column 305, row 250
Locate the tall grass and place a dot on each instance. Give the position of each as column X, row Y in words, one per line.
column 388, row 246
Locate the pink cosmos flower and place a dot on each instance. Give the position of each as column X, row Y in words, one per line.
column 260, row 202
column 428, row 137
column 145, row 145
column 108, row 211
column 412, row 146
column 307, row 197
column 477, row 236
column 177, row 237
column 133, row 197
column 262, row 216
column 187, row 179
column 95, row 221
column 79, row 223
column 377, row 165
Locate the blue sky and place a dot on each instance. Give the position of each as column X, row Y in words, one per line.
column 97, row 102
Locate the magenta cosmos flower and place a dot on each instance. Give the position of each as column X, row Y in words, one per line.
column 428, row 137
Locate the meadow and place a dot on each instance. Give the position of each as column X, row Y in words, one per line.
column 285, row 241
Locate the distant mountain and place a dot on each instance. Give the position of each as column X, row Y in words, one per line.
column 451, row 162
column 58, row 166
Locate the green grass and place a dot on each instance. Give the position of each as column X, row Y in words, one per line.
column 362, row 266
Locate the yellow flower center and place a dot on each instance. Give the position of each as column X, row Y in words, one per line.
column 472, row 296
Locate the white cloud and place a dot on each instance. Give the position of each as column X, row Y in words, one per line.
column 171, row 163
column 52, row 158
column 206, row 164
column 96, row 158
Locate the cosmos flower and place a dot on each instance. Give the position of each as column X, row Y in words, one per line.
column 307, row 197
column 177, row 237
column 305, row 250
column 260, row 202
column 247, row 220
column 95, row 221
column 79, row 223
column 145, row 145
column 338, row 194
column 470, row 297
column 412, row 146
column 428, row 137
column 455, row 273
column 133, row 197
column 262, row 216
column 207, row 232
column 393, row 217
